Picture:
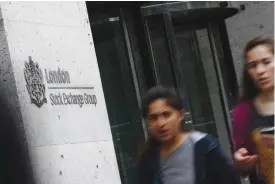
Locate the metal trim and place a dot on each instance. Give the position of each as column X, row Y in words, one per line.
column 189, row 7
column 111, row 19
column 156, row 5
column 172, row 46
column 173, row 51
column 132, row 67
column 198, row 56
column 163, row 8
column 151, row 52
column 221, row 86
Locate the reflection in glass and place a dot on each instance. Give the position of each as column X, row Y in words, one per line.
column 160, row 50
column 192, row 78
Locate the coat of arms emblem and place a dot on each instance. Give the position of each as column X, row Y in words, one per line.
column 35, row 85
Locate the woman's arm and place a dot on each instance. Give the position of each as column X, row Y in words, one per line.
column 242, row 154
column 240, row 125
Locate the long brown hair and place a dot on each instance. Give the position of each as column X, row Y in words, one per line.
column 249, row 90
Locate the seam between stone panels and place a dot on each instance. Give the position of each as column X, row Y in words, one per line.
column 45, row 24
column 84, row 142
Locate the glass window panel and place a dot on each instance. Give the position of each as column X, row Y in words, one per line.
column 119, row 92
column 192, row 76
column 160, row 50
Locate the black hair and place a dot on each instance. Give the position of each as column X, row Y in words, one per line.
column 156, row 93
column 160, row 92
column 249, row 90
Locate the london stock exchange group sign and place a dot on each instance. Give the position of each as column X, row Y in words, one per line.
column 58, row 97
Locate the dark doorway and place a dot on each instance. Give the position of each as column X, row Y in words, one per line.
column 142, row 44
column 119, row 88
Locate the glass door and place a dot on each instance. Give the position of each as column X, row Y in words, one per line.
column 119, row 86
column 184, row 55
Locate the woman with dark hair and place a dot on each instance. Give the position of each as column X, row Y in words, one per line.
column 175, row 156
column 256, row 111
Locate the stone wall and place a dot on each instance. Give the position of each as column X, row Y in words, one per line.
column 256, row 19
column 69, row 143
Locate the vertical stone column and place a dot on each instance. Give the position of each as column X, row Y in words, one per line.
column 50, row 74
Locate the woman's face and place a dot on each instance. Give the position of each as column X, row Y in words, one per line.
column 260, row 67
column 163, row 120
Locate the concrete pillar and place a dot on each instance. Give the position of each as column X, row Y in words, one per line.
column 50, row 76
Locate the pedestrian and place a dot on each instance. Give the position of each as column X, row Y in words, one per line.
column 173, row 155
column 254, row 151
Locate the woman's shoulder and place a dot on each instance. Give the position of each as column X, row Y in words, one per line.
column 243, row 107
column 197, row 135
column 204, row 141
column 241, row 113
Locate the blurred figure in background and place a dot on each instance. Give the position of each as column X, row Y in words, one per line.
column 255, row 150
column 175, row 156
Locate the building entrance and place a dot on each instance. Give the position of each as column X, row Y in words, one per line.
column 179, row 44
column 185, row 52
